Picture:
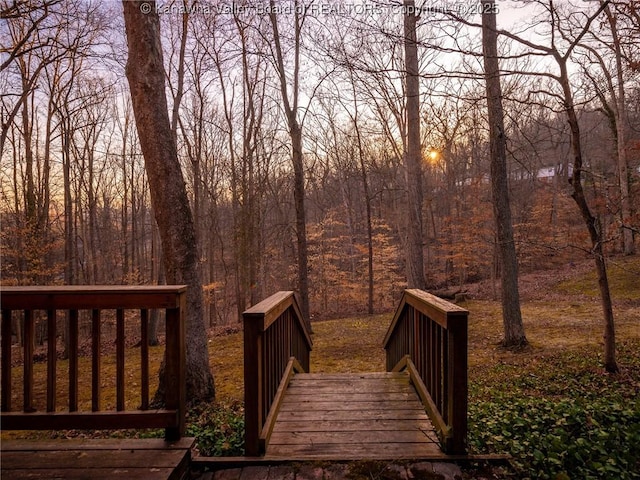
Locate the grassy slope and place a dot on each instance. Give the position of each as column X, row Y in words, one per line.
column 553, row 327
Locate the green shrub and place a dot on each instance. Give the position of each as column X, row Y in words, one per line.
column 218, row 429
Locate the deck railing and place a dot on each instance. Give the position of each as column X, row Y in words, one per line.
column 428, row 337
column 276, row 343
column 49, row 303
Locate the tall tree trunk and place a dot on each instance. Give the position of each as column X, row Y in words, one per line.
column 367, row 196
column 593, row 224
column 412, row 155
column 295, row 132
column 620, row 106
column 145, row 73
column 69, row 234
column 367, row 199
column 157, row 270
column 124, row 216
column 514, row 335
column 301, row 222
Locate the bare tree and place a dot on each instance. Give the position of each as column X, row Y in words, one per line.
column 413, row 152
column 566, row 95
column 614, row 103
column 514, row 335
column 145, row 73
column 290, row 106
column 29, row 43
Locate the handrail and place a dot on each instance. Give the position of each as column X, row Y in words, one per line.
column 276, row 342
column 94, row 299
column 428, row 337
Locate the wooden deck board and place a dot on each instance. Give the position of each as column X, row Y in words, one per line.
column 352, row 425
column 352, row 416
column 96, row 458
column 99, row 444
column 295, row 398
column 373, row 414
column 104, row 473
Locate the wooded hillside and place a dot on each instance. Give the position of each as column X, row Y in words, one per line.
column 75, row 205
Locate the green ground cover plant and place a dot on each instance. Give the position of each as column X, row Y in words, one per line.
column 561, row 418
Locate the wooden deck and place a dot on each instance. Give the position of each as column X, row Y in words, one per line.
column 153, row 459
column 49, row 407
column 360, row 416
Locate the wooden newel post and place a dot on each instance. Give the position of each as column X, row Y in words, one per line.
column 457, row 384
column 253, row 371
column 175, row 368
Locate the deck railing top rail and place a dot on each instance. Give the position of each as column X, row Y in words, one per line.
column 270, row 309
column 86, row 297
column 435, row 308
column 26, row 307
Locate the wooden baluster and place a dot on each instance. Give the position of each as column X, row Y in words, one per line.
column 425, row 347
column 277, row 373
column 52, row 359
column 274, row 359
column 144, row 359
column 266, row 374
column 175, row 368
column 458, row 382
column 405, row 333
column 415, row 348
column 433, row 360
column 6, row 361
column 271, row 364
column 271, row 354
column 96, row 347
column 73, row 360
column 253, row 383
column 408, row 332
column 443, row 373
column 397, row 342
column 27, row 359
column 289, row 337
column 281, row 354
column 399, row 338
column 266, row 350
column 279, row 367
column 120, row 344
column 415, row 339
